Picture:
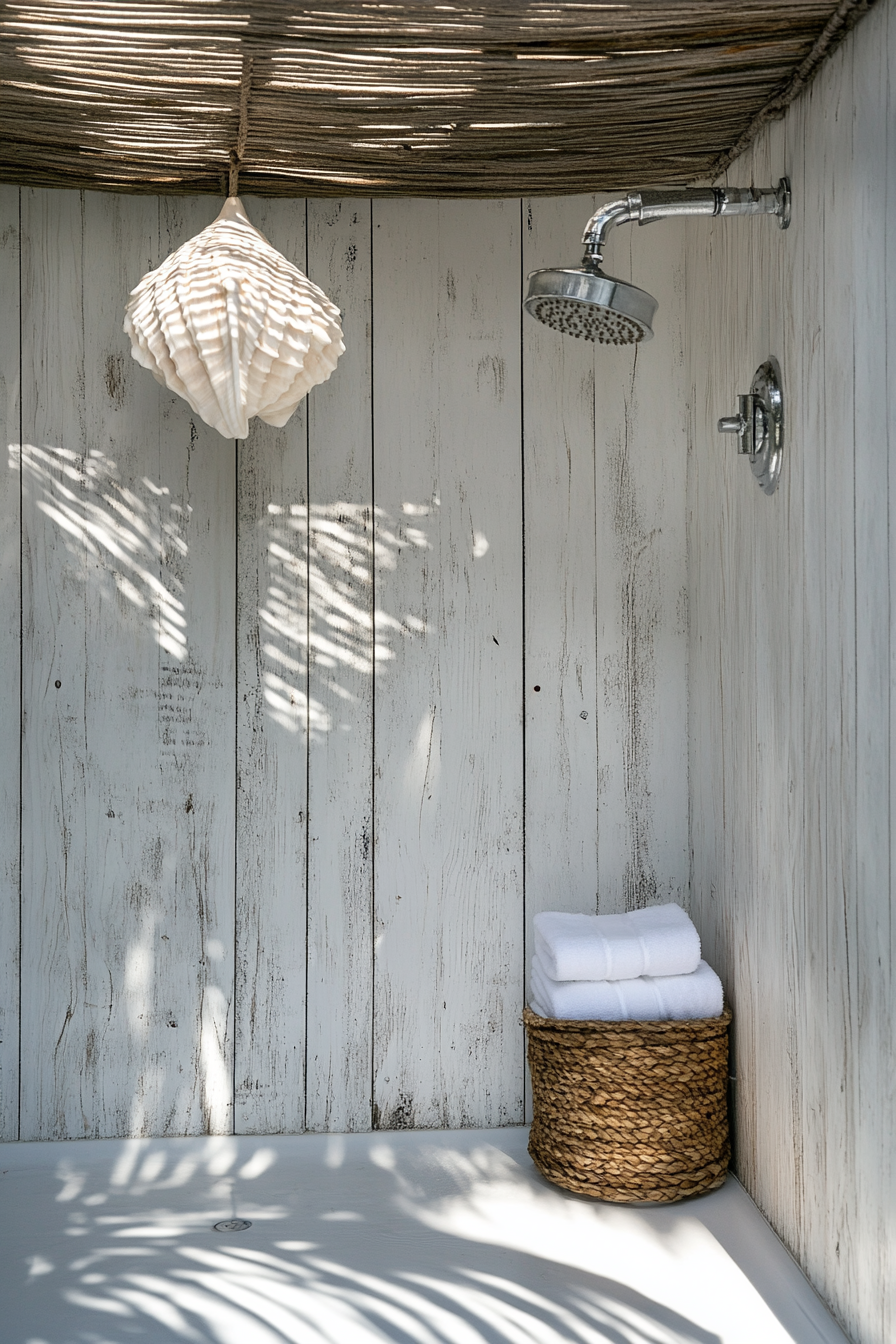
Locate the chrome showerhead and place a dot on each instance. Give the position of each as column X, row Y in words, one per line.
column 585, row 302
column 592, row 305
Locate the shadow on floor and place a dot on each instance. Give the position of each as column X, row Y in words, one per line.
column 352, row 1241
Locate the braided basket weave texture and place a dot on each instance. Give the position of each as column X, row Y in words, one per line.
column 630, row 1111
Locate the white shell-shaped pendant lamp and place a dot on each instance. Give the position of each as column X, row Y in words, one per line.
column 234, row 328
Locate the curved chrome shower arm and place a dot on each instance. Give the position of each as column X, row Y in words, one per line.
column 643, row 207
column 605, row 218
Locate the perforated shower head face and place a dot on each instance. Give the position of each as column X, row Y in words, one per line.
column 591, row 305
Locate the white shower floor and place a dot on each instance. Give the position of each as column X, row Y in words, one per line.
column 421, row 1238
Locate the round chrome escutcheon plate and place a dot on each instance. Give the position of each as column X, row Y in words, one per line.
column 768, row 424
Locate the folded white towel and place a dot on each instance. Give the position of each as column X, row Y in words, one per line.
column 648, row 998
column 660, row 940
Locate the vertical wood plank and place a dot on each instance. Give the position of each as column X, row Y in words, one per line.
column 340, row 860
column 641, row 640
column 795, row 305
column 707, row 466
column 10, row 656
column 886, row 945
column 840, row 533
column 775, row 821
column 872, row 179
column 128, row 762
column 560, row 591
column 812, row 895
column 735, row 521
column 448, row 781
column 704, row 652
column 560, row 587
column 272, row 743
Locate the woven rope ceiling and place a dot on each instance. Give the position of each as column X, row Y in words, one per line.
column 364, row 98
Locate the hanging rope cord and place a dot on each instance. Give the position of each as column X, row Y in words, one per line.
column 237, row 155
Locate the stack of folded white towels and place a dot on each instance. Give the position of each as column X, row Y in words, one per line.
column 642, row 966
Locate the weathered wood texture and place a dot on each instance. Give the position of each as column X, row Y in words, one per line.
column 292, row 805
column 791, row 675
column 128, row 762
column 560, row 462
column 10, row 661
column 448, row 785
column 341, row 678
column 641, row 596
column 271, row 749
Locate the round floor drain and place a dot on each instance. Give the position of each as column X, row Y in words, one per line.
column 232, row 1225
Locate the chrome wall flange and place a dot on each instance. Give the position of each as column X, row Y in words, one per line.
column 759, row 425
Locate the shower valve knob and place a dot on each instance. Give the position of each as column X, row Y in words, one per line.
column 759, row 425
column 743, row 424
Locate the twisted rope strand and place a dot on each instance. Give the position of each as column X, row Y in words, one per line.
column 237, row 155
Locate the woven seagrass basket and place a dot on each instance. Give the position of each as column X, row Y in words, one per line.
column 630, row 1111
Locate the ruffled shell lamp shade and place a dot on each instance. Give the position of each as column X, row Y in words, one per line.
column 234, row 328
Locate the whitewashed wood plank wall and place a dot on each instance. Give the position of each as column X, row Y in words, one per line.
column 791, row 676
column 312, row 724
column 299, row 733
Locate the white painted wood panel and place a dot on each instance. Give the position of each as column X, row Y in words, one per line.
column 883, row 975
column 793, row 302
column 873, row 252
column 741, row 551
column 840, row 448
column 448, row 698
column 10, row 660
column 706, row 709
column 806, row 144
column 128, row 730
column 560, row 587
column 791, row 675
column 778, row 668
column 340, row 768
column 273, row 715
column 559, row 591
column 641, row 637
